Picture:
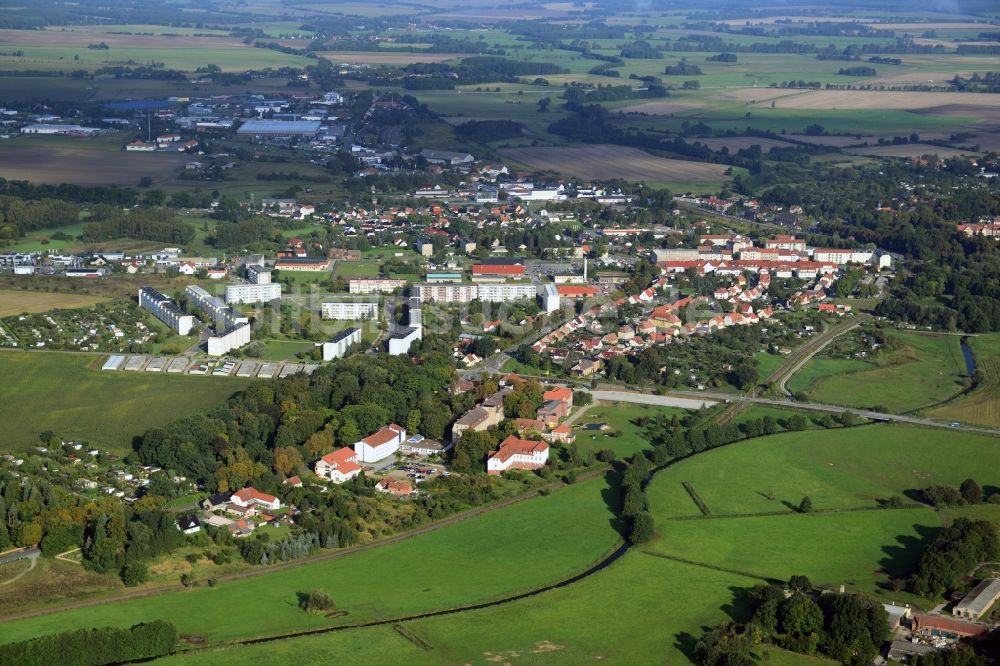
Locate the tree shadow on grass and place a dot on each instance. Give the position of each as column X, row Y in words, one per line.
column 612, row 496
column 901, row 558
column 739, row 610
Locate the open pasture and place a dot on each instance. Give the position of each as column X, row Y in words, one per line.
column 376, row 58
column 982, row 405
column 660, row 108
column 839, row 469
column 14, row 302
column 871, row 99
column 68, row 394
column 926, row 370
column 40, row 161
column 470, row 561
column 735, row 143
column 591, row 162
column 909, row 150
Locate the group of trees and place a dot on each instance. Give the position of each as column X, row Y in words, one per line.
column 639, row 525
column 93, row 647
column 155, row 224
column 19, row 216
column 951, row 554
column 969, row 492
column 847, row 627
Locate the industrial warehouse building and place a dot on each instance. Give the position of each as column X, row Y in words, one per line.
column 349, row 310
column 165, row 310
column 337, row 347
column 252, row 293
column 979, row 600
column 276, row 128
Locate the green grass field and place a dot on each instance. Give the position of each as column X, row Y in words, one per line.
column 927, row 370
column 471, row 561
column 982, row 405
column 839, row 469
column 68, row 394
column 352, row 269
column 623, row 436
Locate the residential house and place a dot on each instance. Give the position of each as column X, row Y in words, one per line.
column 250, row 496
column 338, row 466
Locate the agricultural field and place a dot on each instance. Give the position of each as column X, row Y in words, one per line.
column 14, row 302
column 67, row 49
column 910, row 150
column 926, row 370
column 84, row 161
column 466, row 562
column 982, row 405
column 68, row 394
column 591, row 162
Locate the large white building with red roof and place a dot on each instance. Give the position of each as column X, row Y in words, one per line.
column 380, row 444
column 515, row 453
column 252, row 497
column 338, row 466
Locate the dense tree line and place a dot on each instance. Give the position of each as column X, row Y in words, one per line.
column 847, row 627
column 484, row 131
column 93, row 647
column 155, row 224
column 951, row 554
column 19, row 216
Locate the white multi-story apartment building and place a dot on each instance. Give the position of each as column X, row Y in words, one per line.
column 500, row 292
column 234, row 337
column 374, row 285
column 380, row 444
column 165, row 310
column 340, row 343
column 349, row 310
column 338, row 466
column 841, row 257
column 550, row 298
column 253, row 293
column 214, row 307
column 258, row 274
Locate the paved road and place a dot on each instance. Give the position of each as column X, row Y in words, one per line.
column 30, row 554
column 657, row 400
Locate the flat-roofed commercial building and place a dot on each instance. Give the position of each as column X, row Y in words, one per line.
column 165, row 310
column 349, row 310
column 224, row 341
column 337, row 347
column 252, row 293
column 279, row 128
